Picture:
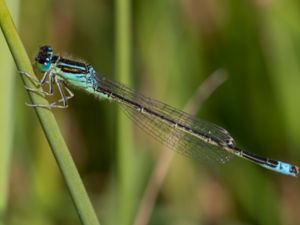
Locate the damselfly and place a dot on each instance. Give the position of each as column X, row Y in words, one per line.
column 178, row 130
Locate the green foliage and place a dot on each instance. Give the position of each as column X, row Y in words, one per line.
column 170, row 48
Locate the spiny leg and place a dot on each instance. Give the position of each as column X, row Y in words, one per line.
column 35, row 81
column 50, row 75
column 30, row 77
column 64, row 98
column 48, row 78
column 44, row 77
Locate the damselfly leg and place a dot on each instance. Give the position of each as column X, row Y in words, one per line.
column 51, row 79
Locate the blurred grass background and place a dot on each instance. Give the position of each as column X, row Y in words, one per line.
column 175, row 46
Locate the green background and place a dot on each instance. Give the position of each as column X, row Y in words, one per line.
column 175, row 45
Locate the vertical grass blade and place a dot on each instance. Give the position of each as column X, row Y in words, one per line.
column 282, row 52
column 48, row 123
column 125, row 145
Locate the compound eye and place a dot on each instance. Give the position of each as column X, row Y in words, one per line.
column 45, row 49
column 44, row 58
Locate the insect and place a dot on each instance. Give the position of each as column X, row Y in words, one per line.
column 178, row 130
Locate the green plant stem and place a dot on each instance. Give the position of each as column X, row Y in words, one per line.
column 59, row 149
column 125, row 145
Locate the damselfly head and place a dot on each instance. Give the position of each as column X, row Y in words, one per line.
column 44, row 58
